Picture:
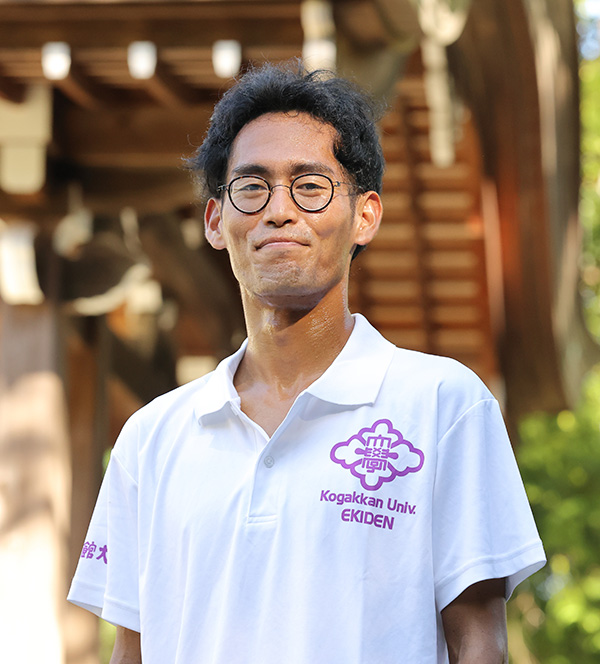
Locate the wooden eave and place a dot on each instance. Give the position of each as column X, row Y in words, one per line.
column 100, row 33
column 121, row 135
column 470, row 259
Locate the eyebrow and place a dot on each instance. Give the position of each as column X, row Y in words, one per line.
column 296, row 168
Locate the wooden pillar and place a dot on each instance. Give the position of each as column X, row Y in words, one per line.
column 35, row 486
column 87, row 367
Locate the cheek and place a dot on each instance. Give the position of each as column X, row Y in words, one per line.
column 238, row 250
column 339, row 234
column 235, row 232
column 335, row 223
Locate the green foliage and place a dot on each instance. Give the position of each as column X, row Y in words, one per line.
column 589, row 209
column 560, row 462
column 107, row 641
column 559, row 457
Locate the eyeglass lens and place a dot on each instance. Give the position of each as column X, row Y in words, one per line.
column 311, row 192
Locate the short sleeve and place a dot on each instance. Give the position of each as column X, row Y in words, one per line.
column 483, row 527
column 106, row 579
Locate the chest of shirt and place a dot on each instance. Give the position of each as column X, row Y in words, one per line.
column 356, row 472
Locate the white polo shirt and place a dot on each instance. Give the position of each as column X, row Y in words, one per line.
column 388, row 489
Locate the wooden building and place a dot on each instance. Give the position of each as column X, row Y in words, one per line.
column 109, row 296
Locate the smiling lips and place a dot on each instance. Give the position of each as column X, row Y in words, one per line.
column 280, row 241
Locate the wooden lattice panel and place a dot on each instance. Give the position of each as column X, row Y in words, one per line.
column 423, row 281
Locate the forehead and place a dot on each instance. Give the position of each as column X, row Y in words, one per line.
column 281, row 142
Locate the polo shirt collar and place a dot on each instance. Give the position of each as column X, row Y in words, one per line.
column 353, row 378
column 218, row 391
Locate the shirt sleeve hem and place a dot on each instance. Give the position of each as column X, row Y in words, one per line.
column 92, row 598
column 87, row 596
column 117, row 613
column 514, row 567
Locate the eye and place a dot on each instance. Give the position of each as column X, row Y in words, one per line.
column 250, row 186
column 312, row 185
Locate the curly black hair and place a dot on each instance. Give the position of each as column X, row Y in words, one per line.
column 285, row 88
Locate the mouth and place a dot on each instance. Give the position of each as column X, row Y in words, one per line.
column 280, row 243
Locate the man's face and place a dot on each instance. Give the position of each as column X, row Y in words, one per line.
column 282, row 254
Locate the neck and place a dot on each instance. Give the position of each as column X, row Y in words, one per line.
column 289, row 348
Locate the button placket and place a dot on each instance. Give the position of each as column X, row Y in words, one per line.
column 264, row 500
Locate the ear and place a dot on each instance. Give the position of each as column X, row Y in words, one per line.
column 212, row 224
column 368, row 212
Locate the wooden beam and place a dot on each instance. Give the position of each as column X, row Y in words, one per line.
column 168, row 90
column 136, row 137
column 11, row 90
column 167, row 24
column 45, row 207
column 105, row 191
column 81, row 90
column 91, row 10
column 148, row 190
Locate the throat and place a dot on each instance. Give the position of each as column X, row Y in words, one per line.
column 283, row 360
column 267, row 397
column 266, row 410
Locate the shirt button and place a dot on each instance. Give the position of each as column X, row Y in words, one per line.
column 269, row 461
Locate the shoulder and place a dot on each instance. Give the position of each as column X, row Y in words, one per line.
column 416, row 378
column 435, row 389
column 183, row 396
column 157, row 422
column 444, row 375
column 168, row 405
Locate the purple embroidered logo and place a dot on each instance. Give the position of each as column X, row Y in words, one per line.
column 378, row 454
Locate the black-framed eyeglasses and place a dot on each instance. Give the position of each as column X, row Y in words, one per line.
column 311, row 192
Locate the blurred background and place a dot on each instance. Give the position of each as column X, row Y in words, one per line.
column 489, row 252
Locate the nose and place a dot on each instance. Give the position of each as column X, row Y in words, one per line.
column 281, row 208
column 285, row 186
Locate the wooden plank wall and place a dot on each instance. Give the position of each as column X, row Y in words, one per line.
column 423, row 281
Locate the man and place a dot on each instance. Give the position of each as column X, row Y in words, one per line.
column 322, row 497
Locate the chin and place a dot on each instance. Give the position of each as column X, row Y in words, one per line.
column 290, row 284
column 285, row 296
